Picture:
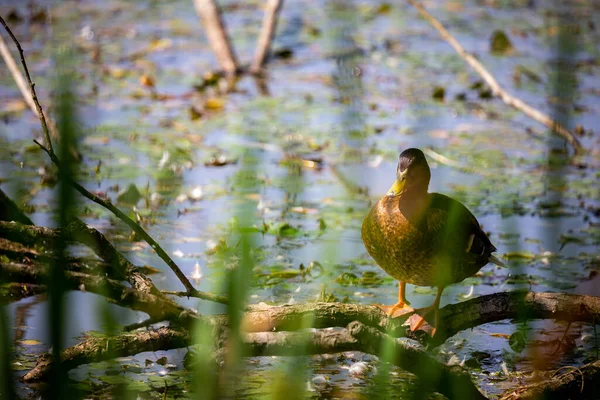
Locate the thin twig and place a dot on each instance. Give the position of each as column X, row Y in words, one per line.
column 562, row 339
column 445, row 160
column 131, row 223
column 496, row 88
column 349, row 185
column 38, row 107
column 571, row 368
column 440, row 158
column 267, row 32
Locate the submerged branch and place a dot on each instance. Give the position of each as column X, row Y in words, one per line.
column 580, row 383
column 15, row 291
column 497, row 90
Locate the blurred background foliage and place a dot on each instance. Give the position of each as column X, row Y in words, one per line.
column 260, row 197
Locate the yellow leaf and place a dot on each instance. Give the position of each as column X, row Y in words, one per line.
column 97, row 140
column 30, row 342
column 160, row 44
column 500, row 335
column 14, row 105
column 118, row 72
column 214, row 103
column 147, row 80
column 519, row 254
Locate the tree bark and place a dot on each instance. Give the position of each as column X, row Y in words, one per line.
column 154, row 306
column 453, row 318
column 95, row 349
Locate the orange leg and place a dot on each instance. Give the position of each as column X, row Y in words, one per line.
column 424, row 311
column 402, row 302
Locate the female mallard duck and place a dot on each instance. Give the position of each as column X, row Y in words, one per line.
column 426, row 239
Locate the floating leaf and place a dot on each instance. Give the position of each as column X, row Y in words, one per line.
column 195, row 113
column 115, row 379
column 159, row 44
column 500, row 43
column 13, row 105
column 118, row 72
column 438, row 93
column 214, row 103
column 500, row 335
column 147, row 81
column 30, row 342
column 286, row 274
column 517, row 341
column 162, row 361
column 283, row 53
column 518, row 255
column 284, row 229
column 131, row 195
column 322, row 224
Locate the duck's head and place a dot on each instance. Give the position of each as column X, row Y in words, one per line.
column 412, row 174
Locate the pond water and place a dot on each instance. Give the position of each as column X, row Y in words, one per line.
column 356, row 91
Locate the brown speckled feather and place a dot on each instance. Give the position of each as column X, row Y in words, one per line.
column 434, row 241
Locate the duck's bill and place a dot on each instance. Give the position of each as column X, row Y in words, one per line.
column 396, row 188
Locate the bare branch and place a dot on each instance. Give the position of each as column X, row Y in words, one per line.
column 77, row 231
column 113, row 290
column 405, row 354
column 38, row 108
column 17, row 76
column 507, row 98
column 210, row 13
column 95, row 349
column 132, row 224
column 453, row 318
column 267, row 32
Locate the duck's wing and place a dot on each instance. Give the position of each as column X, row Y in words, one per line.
column 457, row 230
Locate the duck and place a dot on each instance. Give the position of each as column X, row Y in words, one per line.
column 422, row 238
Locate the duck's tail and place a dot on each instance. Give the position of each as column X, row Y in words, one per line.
column 494, row 260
